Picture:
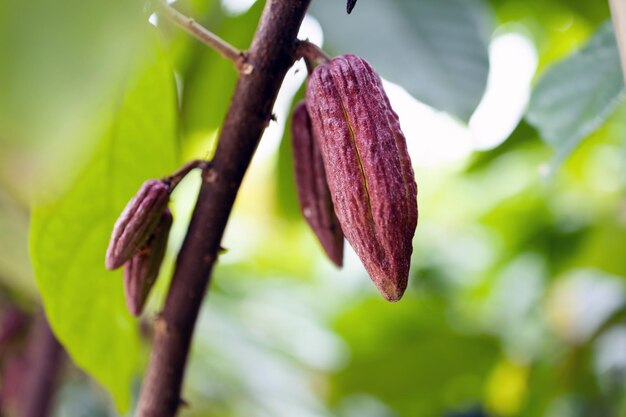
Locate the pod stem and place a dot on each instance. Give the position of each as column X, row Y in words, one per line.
column 312, row 54
column 182, row 172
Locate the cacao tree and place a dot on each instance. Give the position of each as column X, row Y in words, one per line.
column 178, row 179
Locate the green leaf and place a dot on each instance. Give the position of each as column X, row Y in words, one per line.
column 69, row 235
column 435, row 49
column 574, row 97
column 15, row 268
column 409, row 356
column 546, row 11
column 60, row 59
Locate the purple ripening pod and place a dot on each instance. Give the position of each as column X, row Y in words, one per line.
column 313, row 192
column 369, row 172
column 350, row 6
column 142, row 270
column 137, row 222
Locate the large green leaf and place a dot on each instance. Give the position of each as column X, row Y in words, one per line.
column 546, row 11
column 69, row 235
column 574, row 97
column 59, row 60
column 436, row 49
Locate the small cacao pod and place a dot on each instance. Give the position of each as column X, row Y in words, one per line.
column 142, row 270
column 368, row 168
column 137, row 222
column 313, row 192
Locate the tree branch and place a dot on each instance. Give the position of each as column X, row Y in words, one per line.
column 271, row 54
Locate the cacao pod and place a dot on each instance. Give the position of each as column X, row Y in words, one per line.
column 313, row 192
column 137, row 222
column 142, row 270
column 368, row 168
column 350, row 6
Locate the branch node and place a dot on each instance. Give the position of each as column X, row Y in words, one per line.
column 243, row 66
column 210, row 175
column 160, row 325
column 246, row 69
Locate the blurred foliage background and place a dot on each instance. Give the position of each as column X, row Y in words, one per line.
column 516, row 124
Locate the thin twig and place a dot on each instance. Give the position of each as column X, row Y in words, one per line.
column 207, row 37
column 271, row 54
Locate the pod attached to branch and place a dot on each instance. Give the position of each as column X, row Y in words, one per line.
column 350, row 6
column 368, row 168
column 142, row 270
column 137, row 222
column 313, row 193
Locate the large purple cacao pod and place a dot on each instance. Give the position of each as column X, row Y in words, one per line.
column 368, row 168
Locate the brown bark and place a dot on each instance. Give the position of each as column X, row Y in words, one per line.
column 270, row 56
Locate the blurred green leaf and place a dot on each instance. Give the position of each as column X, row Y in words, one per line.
column 199, row 9
column 546, row 10
column 69, row 235
column 594, row 11
column 182, row 47
column 286, row 194
column 210, row 82
column 60, row 59
column 556, row 27
column 574, row 97
column 15, row 269
column 604, row 247
column 567, row 376
column 523, row 137
column 408, row 356
column 436, row 49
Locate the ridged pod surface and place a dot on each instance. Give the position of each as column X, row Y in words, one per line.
column 368, row 168
column 142, row 270
column 137, row 222
column 313, row 193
